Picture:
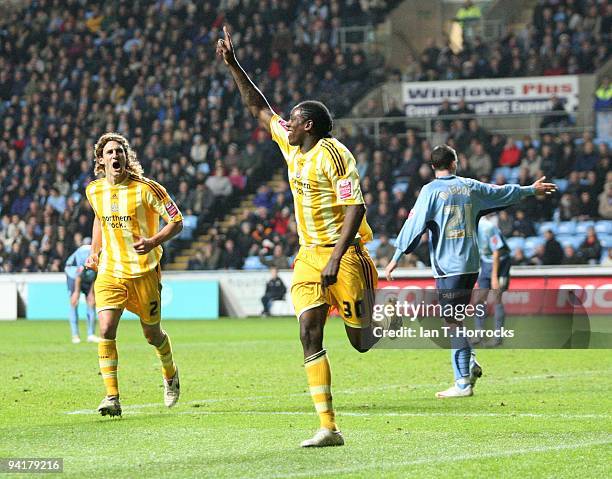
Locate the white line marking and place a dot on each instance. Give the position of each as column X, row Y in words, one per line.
column 406, row 414
column 550, row 376
column 442, row 460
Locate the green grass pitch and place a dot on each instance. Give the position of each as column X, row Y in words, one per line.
column 244, row 407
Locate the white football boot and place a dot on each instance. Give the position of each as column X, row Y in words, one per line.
column 455, row 392
column 323, row 438
column 172, row 390
column 110, row 406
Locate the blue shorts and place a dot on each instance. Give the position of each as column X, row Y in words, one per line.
column 85, row 286
column 456, row 289
column 484, row 279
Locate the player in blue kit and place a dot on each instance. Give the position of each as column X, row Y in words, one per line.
column 81, row 280
column 494, row 277
column 450, row 207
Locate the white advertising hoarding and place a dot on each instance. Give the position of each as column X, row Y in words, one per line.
column 492, row 96
column 8, row 304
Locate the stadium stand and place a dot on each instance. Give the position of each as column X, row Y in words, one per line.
column 72, row 70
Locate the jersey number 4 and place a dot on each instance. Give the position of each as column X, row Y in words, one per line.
column 459, row 223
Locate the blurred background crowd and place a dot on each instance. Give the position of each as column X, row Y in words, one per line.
column 71, row 70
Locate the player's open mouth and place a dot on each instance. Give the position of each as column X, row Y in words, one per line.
column 116, row 165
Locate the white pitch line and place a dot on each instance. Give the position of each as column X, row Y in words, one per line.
column 134, row 407
column 405, row 414
column 442, row 460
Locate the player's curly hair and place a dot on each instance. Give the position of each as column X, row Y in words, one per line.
column 133, row 166
column 322, row 122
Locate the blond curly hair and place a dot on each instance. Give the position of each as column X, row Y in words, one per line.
column 133, row 166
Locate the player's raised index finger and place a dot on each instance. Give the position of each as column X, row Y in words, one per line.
column 228, row 37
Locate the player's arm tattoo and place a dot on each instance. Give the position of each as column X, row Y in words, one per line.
column 252, row 96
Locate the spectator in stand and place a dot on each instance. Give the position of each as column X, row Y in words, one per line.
column 558, row 116
column 277, row 260
column 519, row 259
column 384, row 251
column 570, row 257
column 590, row 248
column 568, row 207
column 603, row 107
column 230, row 257
column 553, row 252
column 197, row 262
column 608, row 259
column 511, row 154
column 522, row 226
column 219, row 184
column 480, row 161
column 605, row 199
column 587, row 158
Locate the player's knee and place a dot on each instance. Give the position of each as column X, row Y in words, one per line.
column 107, row 331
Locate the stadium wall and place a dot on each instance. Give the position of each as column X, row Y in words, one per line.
column 207, row 295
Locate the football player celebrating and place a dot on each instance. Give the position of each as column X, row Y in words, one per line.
column 126, row 250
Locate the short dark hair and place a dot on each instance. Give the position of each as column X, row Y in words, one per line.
column 320, row 116
column 442, row 157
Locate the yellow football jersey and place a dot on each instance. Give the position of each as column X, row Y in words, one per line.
column 127, row 212
column 323, row 182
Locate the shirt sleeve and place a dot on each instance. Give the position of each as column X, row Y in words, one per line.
column 341, row 169
column 490, row 198
column 280, row 135
column 158, row 199
column 495, row 241
column 414, row 227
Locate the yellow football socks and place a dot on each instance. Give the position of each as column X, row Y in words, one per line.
column 319, row 382
column 108, row 359
column 164, row 353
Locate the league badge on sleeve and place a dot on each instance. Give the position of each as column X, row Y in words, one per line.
column 345, row 189
column 171, row 209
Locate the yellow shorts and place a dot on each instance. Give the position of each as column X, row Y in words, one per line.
column 141, row 296
column 353, row 292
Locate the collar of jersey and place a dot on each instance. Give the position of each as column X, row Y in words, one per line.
column 447, row 177
column 123, row 183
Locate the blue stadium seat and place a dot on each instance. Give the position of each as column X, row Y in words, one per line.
column 566, row 228
column 606, row 241
column 400, row 186
column 571, row 240
column 583, row 226
column 535, row 143
column 561, row 184
column 531, row 243
column 190, row 222
column 515, row 242
column 604, row 254
column 603, row 227
column 548, row 225
column 519, row 144
column 253, row 263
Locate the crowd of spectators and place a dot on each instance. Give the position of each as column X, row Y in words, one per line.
column 565, row 37
column 71, row 70
column 393, row 172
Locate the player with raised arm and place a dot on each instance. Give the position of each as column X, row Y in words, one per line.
column 126, row 250
column 450, row 207
column 494, row 277
column 332, row 268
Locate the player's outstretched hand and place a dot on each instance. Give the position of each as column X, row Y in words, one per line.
column 92, row 262
column 389, row 269
column 143, row 245
column 544, row 188
column 225, row 47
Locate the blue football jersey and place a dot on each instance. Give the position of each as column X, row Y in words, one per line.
column 490, row 239
column 450, row 208
column 76, row 261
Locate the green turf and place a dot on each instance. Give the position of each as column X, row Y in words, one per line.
column 244, row 407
